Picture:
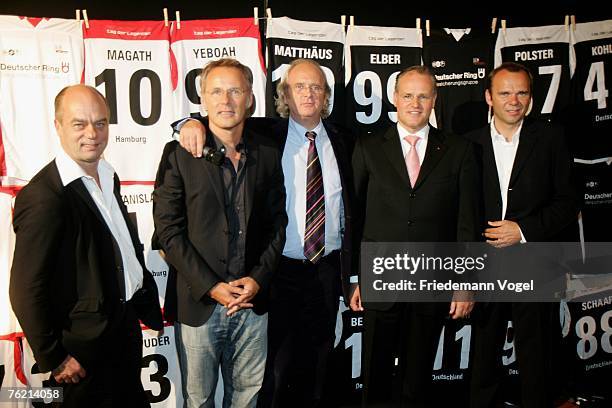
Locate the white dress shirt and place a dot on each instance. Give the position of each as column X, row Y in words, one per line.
column 505, row 153
column 294, row 160
column 421, row 145
column 107, row 204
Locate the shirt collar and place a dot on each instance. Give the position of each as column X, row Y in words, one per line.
column 70, row 170
column 498, row 137
column 421, row 134
column 300, row 131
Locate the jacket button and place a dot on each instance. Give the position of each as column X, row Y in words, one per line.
column 412, row 195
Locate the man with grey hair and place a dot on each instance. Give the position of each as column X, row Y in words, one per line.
column 79, row 283
column 316, row 263
column 222, row 228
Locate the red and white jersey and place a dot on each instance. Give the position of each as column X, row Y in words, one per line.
column 8, row 321
column 198, row 42
column 38, row 57
column 129, row 62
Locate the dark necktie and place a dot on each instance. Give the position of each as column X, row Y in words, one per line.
column 314, row 234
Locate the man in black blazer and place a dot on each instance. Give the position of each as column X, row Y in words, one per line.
column 222, row 228
column 304, row 294
column 437, row 201
column 78, row 281
column 528, row 197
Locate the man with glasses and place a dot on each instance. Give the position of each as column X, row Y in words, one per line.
column 316, row 262
column 222, row 228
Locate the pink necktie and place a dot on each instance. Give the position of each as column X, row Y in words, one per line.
column 412, row 159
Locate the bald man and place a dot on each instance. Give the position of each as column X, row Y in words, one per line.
column 78, row 281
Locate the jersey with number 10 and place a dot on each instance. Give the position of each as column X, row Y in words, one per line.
column 129, row 62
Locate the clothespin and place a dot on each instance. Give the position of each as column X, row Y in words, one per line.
column 493, row 25
column 503, row 24
column 165, row 17
column 427, row 27
column 566, row 22
column 269, row 12
column 86, row 19
column 178, row 20
column 343, row 21
column 77, row 14
column 352, row 21
column 573, row 21
column 256, row 15
column 418, row 23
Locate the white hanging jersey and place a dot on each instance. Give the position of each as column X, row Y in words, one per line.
column 129, row 62
column 38, row 57
column 198, row 42
column 139, row 202
column 547, row 53
column 590, row 116
column 161, row 376
column 288, row 39
column 374, row 58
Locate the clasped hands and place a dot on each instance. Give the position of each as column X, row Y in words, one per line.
column 235, row 295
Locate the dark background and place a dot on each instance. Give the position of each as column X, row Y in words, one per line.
column 396, row 13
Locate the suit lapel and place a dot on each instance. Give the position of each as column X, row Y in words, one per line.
column 212, row 172
column 337, row 147
column 434, row 152
column 488, row 160
column 527, row 142
column 393, row 150
column 252, row 160
column 81, row 190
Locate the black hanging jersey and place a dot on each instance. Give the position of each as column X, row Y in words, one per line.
column 460, row 59
column 374, row 58
column 547, row 53
column 589, row 118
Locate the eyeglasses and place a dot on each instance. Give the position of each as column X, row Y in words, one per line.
column 314, row 89
column 233, row 93
column 421, row 98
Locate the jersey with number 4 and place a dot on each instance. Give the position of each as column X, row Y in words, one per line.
column 547, row 53
column 589, row 120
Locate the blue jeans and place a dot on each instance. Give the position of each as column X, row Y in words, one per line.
column 237, row 343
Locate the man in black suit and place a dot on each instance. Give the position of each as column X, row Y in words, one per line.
column 78, row 281
column 222, row 227
column 528, row 197
column 413, row 183
column 304, row 294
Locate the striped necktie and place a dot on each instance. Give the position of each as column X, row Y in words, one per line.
column 314, row 234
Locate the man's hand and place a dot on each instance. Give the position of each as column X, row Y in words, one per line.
column 355, row 302
column 224, row 293
column 504, row 233
column 69, row 371
column 249, row 288
column 459, row 310
column 193, row 137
